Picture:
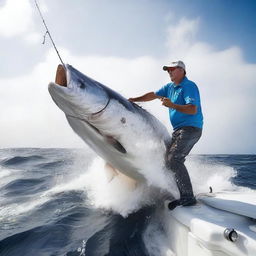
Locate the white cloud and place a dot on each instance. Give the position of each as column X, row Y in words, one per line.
column 33, row 38
column 181, row 36
column 16, row 19
column 225, row 80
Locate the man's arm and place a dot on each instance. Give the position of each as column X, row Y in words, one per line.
column 146, row 97
column 187, row 109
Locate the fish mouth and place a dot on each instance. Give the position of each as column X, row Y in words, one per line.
column 61, row 77
column 63, row 85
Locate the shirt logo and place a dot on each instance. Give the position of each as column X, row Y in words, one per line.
column 189, row 100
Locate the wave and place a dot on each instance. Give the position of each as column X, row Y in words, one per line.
column 63, row 203
column 53, row 164
column 20, row 160
column 24, row 186
column 101, row 234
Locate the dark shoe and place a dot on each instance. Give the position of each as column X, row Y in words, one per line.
column 187, row 201
column 172, row 205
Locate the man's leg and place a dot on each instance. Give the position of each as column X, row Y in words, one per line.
column 183, row 141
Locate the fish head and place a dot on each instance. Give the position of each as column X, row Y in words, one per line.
column 76, row 94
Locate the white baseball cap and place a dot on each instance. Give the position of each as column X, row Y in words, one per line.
column 175, row 64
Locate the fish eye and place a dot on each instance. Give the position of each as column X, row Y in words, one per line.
column 81, row 84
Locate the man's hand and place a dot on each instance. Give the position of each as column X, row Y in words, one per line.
column 166, row 102
column 187, row 109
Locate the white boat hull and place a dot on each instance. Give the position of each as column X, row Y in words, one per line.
column 199, row 230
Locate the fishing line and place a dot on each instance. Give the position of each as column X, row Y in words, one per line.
column 48, row 33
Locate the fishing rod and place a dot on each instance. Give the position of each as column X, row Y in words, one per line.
column 48, row 32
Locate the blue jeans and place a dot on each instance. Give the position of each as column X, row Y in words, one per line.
column 183, row 140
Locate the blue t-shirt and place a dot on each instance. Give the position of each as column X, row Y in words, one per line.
column 184, row 93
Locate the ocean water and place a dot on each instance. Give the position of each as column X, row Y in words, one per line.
column 59, row 202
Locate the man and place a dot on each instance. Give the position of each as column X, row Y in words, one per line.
column 183, row 100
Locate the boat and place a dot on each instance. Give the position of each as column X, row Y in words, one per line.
column 220, row 224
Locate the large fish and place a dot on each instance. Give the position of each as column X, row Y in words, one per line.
column 131, row 140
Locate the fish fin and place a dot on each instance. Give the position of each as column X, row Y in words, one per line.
column 113, row 173
column 110, row 172
column 115, row 143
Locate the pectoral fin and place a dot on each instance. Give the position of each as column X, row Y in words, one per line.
column 115, row 143
column 113, row 173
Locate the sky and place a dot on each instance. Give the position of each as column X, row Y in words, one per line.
column 124, row 44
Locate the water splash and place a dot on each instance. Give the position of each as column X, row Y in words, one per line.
column 82, row 249
column 205, row 174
